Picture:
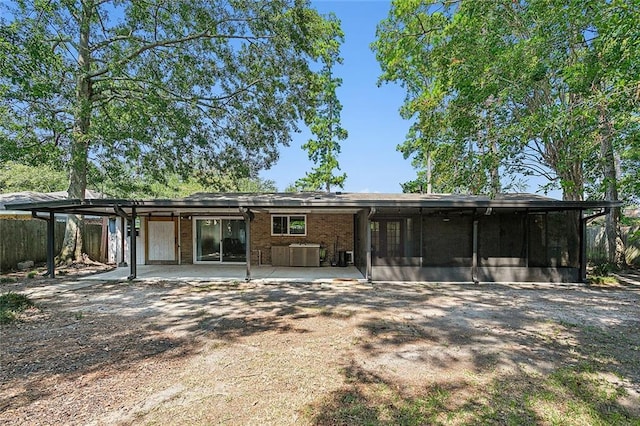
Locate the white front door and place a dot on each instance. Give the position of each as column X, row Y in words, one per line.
column 161, row 242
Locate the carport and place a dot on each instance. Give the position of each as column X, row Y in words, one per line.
column 174, row 222
column 387, row 237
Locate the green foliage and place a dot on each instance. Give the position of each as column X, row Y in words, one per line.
column 16, row 177
column 602, row 269
column 130, row 92
column 293, row 188
column 324, row 119
column 29, row 92
column 256, row 185
column 175, row 186
column 158, row 89
column 532, row 88
column 11, row 304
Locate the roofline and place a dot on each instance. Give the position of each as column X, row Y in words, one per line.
column 87, row 206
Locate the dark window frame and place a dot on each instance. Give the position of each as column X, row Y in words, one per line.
column 286, row 225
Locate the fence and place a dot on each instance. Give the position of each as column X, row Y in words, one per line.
column 22, row 240
column 596, row 242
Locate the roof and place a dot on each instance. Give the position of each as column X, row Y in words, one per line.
column 220, row 202
column 25, row 197
column 9, row 200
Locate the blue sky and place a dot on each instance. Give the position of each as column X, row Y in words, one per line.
column 369, row 114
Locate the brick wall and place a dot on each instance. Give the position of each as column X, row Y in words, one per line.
column 186, row 241
column 321, row 229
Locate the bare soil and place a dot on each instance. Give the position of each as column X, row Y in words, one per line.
column 333, row 353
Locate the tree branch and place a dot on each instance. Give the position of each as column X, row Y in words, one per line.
column 174, row 42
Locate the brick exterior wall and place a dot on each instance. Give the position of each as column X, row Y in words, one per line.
column 321, row 229
column 186, row 241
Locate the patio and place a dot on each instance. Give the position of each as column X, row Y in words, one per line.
column 233, row 273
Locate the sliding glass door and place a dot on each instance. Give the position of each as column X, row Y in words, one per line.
column 219, row 240
column 207, row 240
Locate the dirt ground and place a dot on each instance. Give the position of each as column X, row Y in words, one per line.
column 334, row 353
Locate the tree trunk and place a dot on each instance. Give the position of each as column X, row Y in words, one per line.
column 614, row 248
column 496, row 186
column 72, row 246
column 572, row 181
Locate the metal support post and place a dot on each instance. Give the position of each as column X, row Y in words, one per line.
column 474, row 259
column 51, row 245
column 132, row 246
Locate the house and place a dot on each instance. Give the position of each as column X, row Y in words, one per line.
column 388, row 237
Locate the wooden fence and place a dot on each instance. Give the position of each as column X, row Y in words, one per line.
column 22, row 240
column 596, row 241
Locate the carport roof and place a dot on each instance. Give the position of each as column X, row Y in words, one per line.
column 8, row 200
column 203, row 202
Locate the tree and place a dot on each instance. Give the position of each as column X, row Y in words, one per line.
column 256, row 185
column 132, row 89
column 15, row 177
column 433, row 53
column 615, row 94
column 325, row 121
column 176, row 186
column 484, row 86
column 537, row 87
column 28, row 95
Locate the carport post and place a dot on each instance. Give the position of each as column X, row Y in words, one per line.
column 474, row 259
column 372, row 211
column 51, row 245
column 248, row 249
column 246, row 214
column 583, row 248
column 132, row 246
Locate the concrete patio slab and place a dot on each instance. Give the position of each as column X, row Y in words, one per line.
column 233, row 273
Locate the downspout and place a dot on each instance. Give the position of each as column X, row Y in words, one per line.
column 132, row 246
column 583, row 241
column 372, row 211
column 247, row 215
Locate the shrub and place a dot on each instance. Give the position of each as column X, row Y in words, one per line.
column 11, row 304
column 602, row 269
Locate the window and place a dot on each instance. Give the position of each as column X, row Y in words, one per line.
column 289, row 225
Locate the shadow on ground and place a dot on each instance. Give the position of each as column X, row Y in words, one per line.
column 567, row 396
column 533, row 346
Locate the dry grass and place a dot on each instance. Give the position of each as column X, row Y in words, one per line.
column 136, row 353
